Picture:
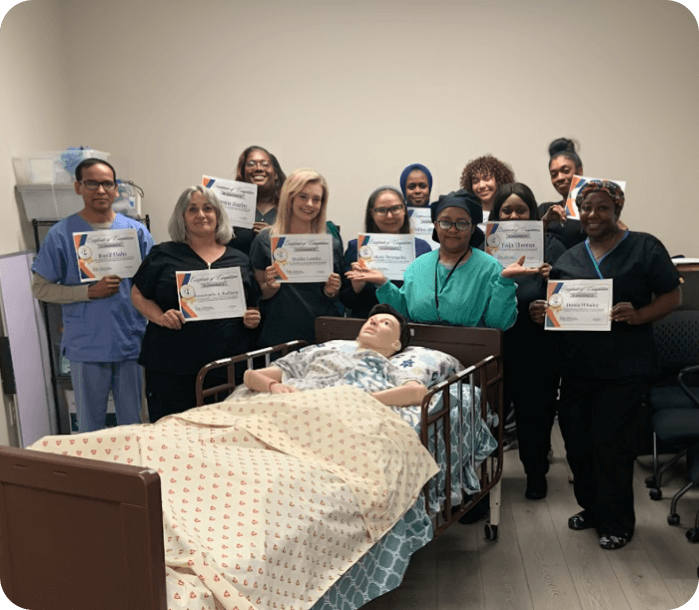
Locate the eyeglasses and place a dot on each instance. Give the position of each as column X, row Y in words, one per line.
column 396, row 209
column 93, row 185
column 254, row 163
column 445, row 225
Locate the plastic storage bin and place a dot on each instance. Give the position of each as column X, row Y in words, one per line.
column 50, row 201
column 52, row 167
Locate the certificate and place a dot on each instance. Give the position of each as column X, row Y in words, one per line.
column 211, row 294
column 302, row 258
column 421, row 222
column 107, row 252
column 579, row 305
column 508, row 241
column 238, row 198
column 389, row 253
column 575, row 185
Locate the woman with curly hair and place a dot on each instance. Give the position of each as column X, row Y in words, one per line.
column 483, row 176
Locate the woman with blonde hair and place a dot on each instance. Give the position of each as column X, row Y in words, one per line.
column 289, row 310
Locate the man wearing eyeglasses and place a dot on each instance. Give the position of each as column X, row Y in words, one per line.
column 102, row 330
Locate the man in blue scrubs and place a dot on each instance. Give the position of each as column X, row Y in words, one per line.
column 102, row 330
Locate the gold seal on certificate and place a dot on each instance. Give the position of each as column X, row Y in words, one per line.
column 302, row 258
column 107, row 252
column 211, row 294
column 579, row 305
column 387, row 252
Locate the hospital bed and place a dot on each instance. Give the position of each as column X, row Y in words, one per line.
column 73, row 531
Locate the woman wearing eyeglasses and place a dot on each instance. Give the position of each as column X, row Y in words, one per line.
column 385, row 213
column 258, row 166
column 457, row 284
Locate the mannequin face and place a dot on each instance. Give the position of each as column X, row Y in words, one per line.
column 381, row 332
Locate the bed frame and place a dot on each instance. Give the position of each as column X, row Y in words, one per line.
column 100, row 524
column 478, row 349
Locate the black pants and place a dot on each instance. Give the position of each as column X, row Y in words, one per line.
column 601, row 422
column 167, row 393
column 531, row 385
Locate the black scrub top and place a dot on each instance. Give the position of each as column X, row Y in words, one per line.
column 185, row 351
column 291, row 313
column 570, row 233
column 244, row 237
column 640, row 267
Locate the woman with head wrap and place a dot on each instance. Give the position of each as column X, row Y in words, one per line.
column 385, row 213
column 604, row 374
column 416, row 184
column 531, row 382
column 456, row 284
column 482, row 177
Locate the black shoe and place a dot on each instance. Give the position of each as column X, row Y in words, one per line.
column 612, row 543
column 581, row 521
column 477, row 512
column 536, row 487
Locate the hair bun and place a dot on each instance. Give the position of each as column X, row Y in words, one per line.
column 560, row 145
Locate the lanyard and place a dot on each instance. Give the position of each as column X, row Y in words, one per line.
column 592, row 256
column 436, row 291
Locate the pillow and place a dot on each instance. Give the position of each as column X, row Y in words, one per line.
column 428, row 366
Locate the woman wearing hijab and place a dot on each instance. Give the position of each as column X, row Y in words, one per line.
column 416, row 184
column 604, row 374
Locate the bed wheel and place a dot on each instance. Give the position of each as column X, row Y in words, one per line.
column 491, row 532
column 650, row 482
column 673, row 519
column 693, row 535
column 655, row 494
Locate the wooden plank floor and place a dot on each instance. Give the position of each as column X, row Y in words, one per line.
column 540, row 564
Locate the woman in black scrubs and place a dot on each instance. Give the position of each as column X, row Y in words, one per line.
column 604, row 374
column 531, row 381
column 564, row 163
column 173, row 350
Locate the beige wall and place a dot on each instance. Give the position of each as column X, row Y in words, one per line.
column 34, row 101
column 358, row 90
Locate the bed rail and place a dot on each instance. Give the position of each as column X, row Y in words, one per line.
column 487, row 376
column 229, row 363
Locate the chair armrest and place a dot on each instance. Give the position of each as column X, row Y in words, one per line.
column 680, row 379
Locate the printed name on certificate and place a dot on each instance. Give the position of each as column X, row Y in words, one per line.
column 389, row 253
column 107, row 252
column 239, row 199
column 579, row 305
column 302, row 258
column 211, row 294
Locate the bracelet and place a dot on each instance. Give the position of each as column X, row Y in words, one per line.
column 271, row 383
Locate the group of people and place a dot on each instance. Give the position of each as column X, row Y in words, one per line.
column 601, row 375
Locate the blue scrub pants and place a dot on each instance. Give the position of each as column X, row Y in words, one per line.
column 91, row 384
